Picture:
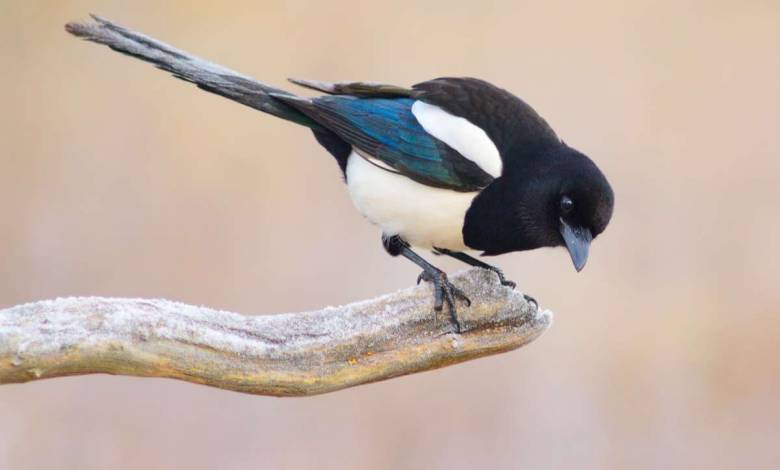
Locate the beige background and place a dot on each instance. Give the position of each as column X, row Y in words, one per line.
column 117, row 180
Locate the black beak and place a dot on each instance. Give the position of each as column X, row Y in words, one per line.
column 578, row 242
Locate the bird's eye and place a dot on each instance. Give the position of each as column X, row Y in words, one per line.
column 566, row 205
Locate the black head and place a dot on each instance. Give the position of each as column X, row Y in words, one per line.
column 559, row 198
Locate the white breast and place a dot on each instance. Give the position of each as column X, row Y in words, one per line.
column 425, row 217
column 469, row 140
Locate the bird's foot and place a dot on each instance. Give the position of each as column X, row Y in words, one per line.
column 511, row 284
column 444, row 291
column 504, row 281
column 475, row 262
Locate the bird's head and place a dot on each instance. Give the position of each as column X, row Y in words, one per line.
column 561, row 199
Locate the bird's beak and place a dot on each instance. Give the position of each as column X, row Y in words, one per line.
column 578, row 243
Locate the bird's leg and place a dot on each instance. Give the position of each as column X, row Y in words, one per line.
column 475, row 262
column 460, row 256
column 443, row 289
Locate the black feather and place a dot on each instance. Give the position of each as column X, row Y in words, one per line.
column 513, row 126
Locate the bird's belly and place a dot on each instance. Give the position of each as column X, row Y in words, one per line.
column 424, row 216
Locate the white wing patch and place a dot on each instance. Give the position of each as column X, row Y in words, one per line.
column 469, row 140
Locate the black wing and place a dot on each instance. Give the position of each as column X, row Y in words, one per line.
column 386, row 129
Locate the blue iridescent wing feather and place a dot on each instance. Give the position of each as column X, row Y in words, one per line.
column 386, row 129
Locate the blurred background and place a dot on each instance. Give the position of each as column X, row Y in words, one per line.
column 117, row 180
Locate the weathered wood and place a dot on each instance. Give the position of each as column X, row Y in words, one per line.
column 282, row 355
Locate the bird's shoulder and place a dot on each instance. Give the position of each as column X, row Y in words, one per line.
column 510, row 122
column 453, row 132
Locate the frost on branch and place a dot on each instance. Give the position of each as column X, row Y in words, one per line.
column 282, row 355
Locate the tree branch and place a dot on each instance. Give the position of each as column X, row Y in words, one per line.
column 282, row 355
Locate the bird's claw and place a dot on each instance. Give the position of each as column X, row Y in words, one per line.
column 531, row 300
column 445, row 291
column 511, row 284
column 504, row 281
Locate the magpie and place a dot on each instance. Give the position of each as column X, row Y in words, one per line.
column 449, row 165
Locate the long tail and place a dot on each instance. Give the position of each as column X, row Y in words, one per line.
column 206, row 75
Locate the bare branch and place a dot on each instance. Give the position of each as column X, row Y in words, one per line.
column 281, row 355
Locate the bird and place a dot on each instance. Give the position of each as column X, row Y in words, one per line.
column 452, row 165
